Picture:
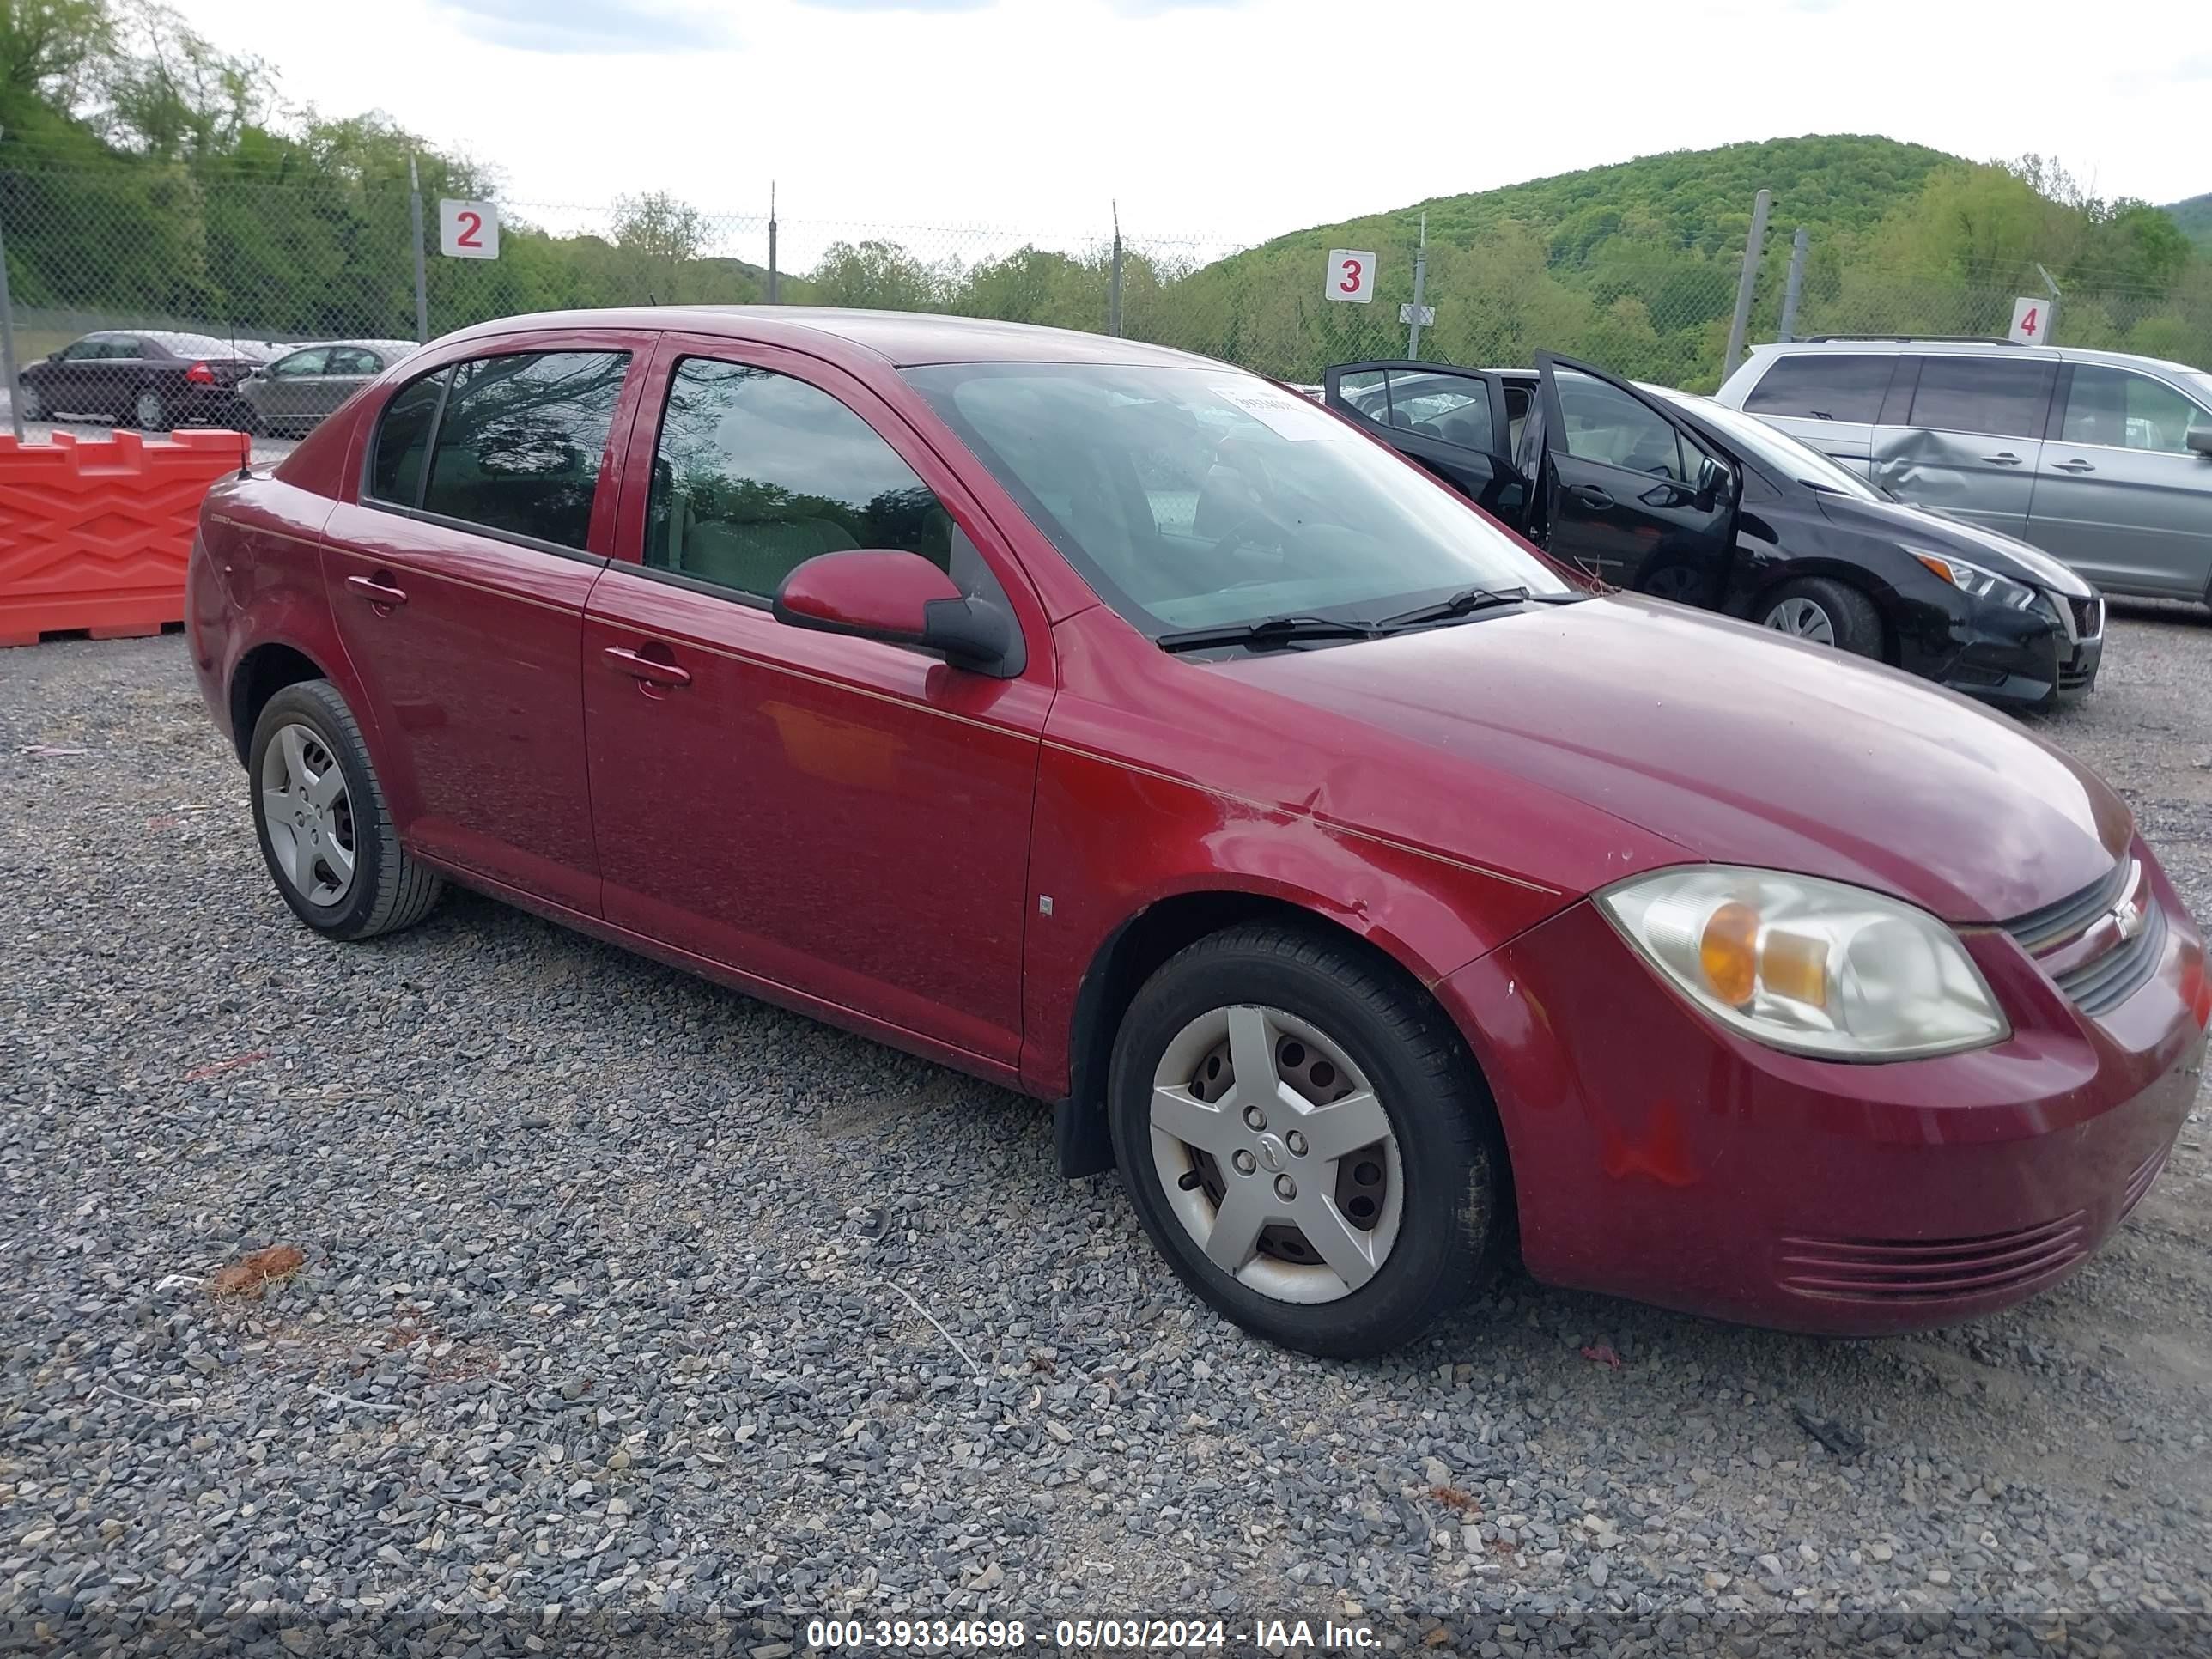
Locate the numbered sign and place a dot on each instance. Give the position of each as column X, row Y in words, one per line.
column 2030, row 321
column 468, row 230
column 1351, row 275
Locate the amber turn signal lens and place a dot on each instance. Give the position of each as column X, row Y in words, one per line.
column 1796, row 967
column 1727, row 951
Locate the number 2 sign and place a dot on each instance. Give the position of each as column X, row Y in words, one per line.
column 1351, row 275
column 468, row 230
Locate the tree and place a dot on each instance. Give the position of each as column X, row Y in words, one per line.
column 659, row 228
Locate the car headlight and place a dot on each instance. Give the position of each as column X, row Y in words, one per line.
column 1982, row 584
column 1810, row 966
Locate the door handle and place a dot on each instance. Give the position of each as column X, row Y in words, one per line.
column 1590, row 495
column 2003, row 458
column 2076, row 465
column 638, row 665
column 377, row 590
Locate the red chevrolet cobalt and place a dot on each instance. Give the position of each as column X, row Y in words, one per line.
column 1122, row 728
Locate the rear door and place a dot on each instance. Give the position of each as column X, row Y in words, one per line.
column 486, row 509
column 1970, row 439
column 1626, row 493
column 345, row 372
column 1453, row 421
column 2118, row 493
column 1831, row 400
column 288, row 383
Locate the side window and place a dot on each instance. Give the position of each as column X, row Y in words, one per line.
column 1448, row 407
column 299, row 362
column 2003, row 397
column 403, row 441
column 1517, row 399
column 122, row 349
column 520, row 444
column 1604, row 423
column 2124, row 411
column 81, row 351
column 1821, row 386
column 351, row 360
column 756, row 472
column 1367, row 391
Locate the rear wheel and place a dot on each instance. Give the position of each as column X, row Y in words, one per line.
column 148, row 412
column 1821, row 612
column 320, row 813
column 1305, row 1139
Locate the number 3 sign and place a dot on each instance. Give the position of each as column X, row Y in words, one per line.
column 1351, row 275
column 468, row 230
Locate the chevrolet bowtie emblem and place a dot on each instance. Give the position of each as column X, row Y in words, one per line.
column 2130, row 915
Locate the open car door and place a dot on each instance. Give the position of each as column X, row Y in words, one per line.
column 1625, row 489
column 1455, row 422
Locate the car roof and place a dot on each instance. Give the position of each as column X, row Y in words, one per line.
column 902, row 339
column 1891, row 345
column 288, row 347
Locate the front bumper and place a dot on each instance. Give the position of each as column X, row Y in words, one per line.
column 2019, row 659
column 1658, row 1157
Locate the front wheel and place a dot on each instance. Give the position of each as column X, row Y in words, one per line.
column 324, row 830
column 1305, row 1139
column 1821, row 612
column 31, row 402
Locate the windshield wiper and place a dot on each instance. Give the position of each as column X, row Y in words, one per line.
column 1465, row 602
column 1268, row 631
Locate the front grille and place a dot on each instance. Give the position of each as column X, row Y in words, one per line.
column 2088, row 617
column 2101, row 986
column 1925, row 1269
column 2074, row 676
column 2055, row 923
column 2139, row 1183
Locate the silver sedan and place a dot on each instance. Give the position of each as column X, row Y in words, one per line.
column 291, row 395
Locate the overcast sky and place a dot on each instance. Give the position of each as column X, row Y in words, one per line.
column 1231, row 119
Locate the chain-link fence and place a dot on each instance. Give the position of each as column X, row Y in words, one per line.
column 258, row 263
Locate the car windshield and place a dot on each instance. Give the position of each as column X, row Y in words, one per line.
column 1205, row 497
column 1776, row 451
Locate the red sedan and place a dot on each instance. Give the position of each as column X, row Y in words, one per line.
column 1122, row 728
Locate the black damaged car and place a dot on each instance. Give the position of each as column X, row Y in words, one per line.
column 1675, row 496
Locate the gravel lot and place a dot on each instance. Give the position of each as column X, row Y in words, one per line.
column 624, row 1298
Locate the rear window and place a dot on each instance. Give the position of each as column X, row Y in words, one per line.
column 1819, row 386
column 2005, row 398
column 520, row 440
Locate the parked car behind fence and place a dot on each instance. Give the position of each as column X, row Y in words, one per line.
column 291, row 396
column 149, row 379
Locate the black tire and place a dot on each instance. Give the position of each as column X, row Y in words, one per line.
column 1452, row 1154
column 149, row 411
column 389, row 890
column 30, row 402
column 1855, row 624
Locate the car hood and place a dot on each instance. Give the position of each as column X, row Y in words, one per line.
column 1737, row 745
column 1938, row 532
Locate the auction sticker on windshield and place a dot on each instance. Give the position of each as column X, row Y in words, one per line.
column 1283, row 413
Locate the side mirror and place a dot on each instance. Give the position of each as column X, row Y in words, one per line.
column 2200, row 440
column 1712, row 479
column 901, row 599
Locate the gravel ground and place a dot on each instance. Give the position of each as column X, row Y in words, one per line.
column 634, row 1312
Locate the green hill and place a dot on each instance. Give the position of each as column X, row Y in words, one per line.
column 2195, row 218
column 1677, row 201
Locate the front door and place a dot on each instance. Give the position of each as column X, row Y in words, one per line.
column 1628, row 493
column 840, row 821
column 1970, row 440
column 290, row 380
column 2118, row 493
column 457, row 583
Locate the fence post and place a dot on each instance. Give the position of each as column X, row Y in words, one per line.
column 421, row 276
column 773, row 287
column 1754, row 246
column 1420, row 286
column 8, row 345
column 2051, row 311
column 1797, row 286
column 1114, row 280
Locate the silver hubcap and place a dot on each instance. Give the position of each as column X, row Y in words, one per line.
column 1275, row 1154
column 308, row 814
column 149, row 409
column 1803, row 619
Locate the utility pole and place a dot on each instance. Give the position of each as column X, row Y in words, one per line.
column 1790, row 294
column 1114, row 280
column 1420, row 285
column 422, row 275
column 8, row 339
column 1754, row 246
column 773, row 285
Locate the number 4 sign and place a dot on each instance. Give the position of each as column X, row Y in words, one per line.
column 2030, row 321
column 468, row 230
column 1351, row 275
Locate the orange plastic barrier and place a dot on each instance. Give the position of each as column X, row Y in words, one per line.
column 94, row 534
